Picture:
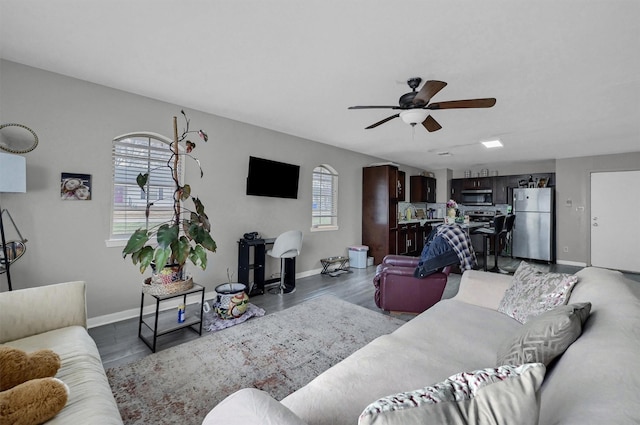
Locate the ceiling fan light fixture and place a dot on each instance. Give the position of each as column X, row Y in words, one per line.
column 489, row 144
column 414, row 116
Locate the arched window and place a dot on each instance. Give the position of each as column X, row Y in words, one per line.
column 132, row 154
column 324, row 211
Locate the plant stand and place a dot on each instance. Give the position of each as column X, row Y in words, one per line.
column 161, row 323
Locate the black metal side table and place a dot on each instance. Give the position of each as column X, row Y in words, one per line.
column 161, row 323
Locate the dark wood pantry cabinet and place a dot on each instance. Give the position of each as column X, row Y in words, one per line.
column 382, row 187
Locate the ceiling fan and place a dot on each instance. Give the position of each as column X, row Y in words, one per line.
column 414, row 106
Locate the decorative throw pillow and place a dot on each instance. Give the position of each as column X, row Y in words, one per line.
column 502, row 395
column 533, row 291
column 544, row 337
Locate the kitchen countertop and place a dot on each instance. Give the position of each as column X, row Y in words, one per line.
column 421, row 221
column 438, row 221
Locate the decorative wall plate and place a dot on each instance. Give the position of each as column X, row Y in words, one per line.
column 17, row 138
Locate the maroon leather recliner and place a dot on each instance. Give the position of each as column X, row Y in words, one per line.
column 397, row 289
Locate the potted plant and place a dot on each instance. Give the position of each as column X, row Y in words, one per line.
column 187, row 235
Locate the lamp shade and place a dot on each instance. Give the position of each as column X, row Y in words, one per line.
column 13, row 173
column 414, row 116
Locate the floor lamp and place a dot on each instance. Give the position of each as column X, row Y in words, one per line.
column 13, row 179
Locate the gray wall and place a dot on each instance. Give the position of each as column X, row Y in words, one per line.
column 573, row 177
column 76, row 121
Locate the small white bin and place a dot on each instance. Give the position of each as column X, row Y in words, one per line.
column 358, row 256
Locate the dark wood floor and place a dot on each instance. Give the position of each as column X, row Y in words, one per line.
column 118, row 342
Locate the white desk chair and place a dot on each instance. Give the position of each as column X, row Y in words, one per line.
column 287, row 245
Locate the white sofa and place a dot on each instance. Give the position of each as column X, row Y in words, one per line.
column 595, row 381
column 54, row 317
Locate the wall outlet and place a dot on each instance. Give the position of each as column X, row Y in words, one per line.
column 565, row 249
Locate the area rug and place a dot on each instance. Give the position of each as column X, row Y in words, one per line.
column 277, row 353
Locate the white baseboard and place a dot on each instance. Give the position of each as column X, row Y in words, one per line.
column 106, row 319
column 571, row 263
column 93, row 322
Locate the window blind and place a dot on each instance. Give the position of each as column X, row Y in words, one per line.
column 325, row 197
column 132, row 156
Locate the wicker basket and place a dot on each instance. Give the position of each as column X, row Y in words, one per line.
column 153, row 288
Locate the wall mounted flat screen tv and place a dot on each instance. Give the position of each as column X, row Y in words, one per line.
column 272, row 178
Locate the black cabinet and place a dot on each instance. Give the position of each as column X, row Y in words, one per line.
column 423, row 189
column 247, row 263
column 401, row 183
column 503, row 188
column 478, row 183
column 409, row 239
column 456, row 189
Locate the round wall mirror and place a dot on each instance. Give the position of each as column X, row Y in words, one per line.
column 17, row 138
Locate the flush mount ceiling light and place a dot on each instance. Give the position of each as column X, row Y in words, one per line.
column 492, row 144
column 414, row 116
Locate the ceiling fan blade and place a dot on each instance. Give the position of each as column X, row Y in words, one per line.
column 427, row 91
column 469, row 103
column 431, row 124
column 382, row 121
column 374, row 107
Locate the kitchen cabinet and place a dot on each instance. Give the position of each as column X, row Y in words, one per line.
column 408, row 238
column 421, row 234
column 401, row 194
column 382, row 186
column 477, row 183
column 423, row 189
column 501, row 186
column 411, row 238
column 456, row 189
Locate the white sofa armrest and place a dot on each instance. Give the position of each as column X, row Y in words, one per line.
column 251, row 406
column 482, row 288
column 32, row 311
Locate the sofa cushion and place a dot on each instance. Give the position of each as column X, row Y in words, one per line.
column 493, row 395
column 533, row 292
column 251, row 406
column 90, row 398
column 419, row 353
column 544, row 337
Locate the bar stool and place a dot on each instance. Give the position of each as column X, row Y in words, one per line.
column 504, row 238
column 287, row 245
column 490, row 235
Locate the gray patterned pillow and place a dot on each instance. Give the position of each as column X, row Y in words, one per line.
column 544, row 337
column 533, row 292
column 486, row 396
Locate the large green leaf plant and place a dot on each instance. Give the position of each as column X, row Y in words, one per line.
column 188, row 234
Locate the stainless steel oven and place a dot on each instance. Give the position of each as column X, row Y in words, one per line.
column 477, row 197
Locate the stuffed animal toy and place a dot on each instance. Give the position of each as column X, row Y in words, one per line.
column 29, row 395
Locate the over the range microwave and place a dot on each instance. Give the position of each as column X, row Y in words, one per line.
column 477, row 197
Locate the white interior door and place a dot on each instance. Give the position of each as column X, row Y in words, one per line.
column 615, row 231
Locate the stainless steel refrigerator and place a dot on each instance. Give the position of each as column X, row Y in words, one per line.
column 534, row 227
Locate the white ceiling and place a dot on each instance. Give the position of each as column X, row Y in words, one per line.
column 566, row 74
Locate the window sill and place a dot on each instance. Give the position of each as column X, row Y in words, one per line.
column 324, row 228
column 115, row 243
